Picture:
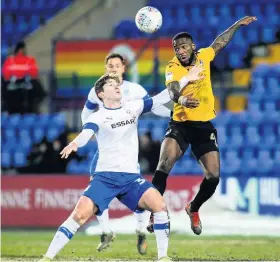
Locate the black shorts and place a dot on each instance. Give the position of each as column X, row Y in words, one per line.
column 202, row 136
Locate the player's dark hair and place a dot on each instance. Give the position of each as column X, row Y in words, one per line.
column 114, row 55
column 99, row 84
column 20, row 45
column 182, row 35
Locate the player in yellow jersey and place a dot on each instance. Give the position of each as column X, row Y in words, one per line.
column 193, row 110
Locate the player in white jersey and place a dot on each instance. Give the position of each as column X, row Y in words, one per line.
column 114, row 63
column 117, row 172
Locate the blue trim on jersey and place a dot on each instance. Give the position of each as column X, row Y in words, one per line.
column 92, row 126
column 66, row 232
column 146, row 97
column 91, row 106
column 94, row 163
column 148, row 104
column 112, row 108
column 161, row 226
column 139, row 211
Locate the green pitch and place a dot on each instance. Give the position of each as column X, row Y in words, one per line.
column 29, row 246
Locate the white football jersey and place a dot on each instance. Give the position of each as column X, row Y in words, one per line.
column 117, row 137
column 130, row 91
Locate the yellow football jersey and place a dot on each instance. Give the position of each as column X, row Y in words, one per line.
column 201, row 89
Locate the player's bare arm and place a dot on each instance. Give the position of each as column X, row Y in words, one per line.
column 223, row 39
column 175, row 88
column 175, row 95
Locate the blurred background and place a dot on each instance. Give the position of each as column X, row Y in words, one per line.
column 53, row 51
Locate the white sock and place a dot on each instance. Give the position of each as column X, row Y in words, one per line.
column 104, row 221
column 141, row 221
column 63, row 235
column 162, row 230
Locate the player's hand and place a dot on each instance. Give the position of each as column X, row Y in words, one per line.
column 194, row 73
column 190, row 102
column 68, row 150
column 247, row 20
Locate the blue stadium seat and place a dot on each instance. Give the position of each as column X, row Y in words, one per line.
column 223, row 118
column 25, row 143
column 9, row 134
column 253, row 107
column 84, row 167
column 257, row 92
column 38, row 134
column 222, row 136
column 20, row 158
column 6, row 159
column 239, row 118
column 260, row 70
column 252, row 35
column 273, row 90
column 14, row 121
column 239, row 11
column 52, row 133
column 24, row 133
column 143, row 126
column 231, row 162
column 235, row 59
column 29, row 120
column 4, row 120
column 225, row 11
column 252, row 136
column 270, row 112
column 236, row 137
column 266, row 162
column 73, row 167
column 255, row 117
column 158, row 133
column 44, row 120
column 268, row 35
column 276, row 162
column 58, row 120
column 249, row 166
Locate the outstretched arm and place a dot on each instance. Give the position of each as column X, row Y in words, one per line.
column 223, row 39
column 81, row 140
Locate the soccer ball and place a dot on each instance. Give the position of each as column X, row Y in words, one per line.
column 148, row 19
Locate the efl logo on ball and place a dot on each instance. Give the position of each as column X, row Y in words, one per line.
column 148, row 19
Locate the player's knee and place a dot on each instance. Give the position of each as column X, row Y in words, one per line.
column 160, row 206
column 213, row 174
column 81, row 216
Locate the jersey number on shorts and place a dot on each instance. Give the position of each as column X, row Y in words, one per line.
column 212, row 137
column 141, row 181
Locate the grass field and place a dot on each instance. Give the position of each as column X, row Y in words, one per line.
column 29, row 246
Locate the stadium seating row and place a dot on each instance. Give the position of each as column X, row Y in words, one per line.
column 20, row 18
column 20, row 133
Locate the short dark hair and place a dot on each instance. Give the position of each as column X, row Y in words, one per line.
column 20, row 45
column 114, row 55
column 99, row 84
column 182, row 35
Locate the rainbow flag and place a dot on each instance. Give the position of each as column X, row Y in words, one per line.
column 86, row 59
